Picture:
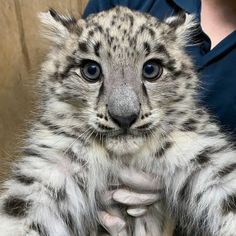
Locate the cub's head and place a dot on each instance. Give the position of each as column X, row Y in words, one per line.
column 119, row 77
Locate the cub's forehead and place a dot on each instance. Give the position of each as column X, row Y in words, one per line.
column 122, row 32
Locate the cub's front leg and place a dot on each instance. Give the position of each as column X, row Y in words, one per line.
column 43, row 198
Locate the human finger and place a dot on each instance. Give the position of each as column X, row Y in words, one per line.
column 113, row 224
column 131, row 198
column 139, row 180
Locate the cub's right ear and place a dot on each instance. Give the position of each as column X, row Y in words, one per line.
column 57, row 28
column 185, row 26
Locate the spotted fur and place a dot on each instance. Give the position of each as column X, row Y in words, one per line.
column 75, row 151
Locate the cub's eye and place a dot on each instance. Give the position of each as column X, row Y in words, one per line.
column 152, row 70
column 91, row 71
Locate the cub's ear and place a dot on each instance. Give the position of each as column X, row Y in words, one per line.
column 184, row 25
column 57, row 28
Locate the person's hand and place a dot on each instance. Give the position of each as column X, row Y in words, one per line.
column 142, row 191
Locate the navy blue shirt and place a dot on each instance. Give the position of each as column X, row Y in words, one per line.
column 217, row 67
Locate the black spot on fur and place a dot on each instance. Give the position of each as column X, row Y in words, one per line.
column 227, row 170
column 72, row 156
column 49, row 125
column 161, row 151
column 145, row 126
column 96, row 49
column 147, row 29
column 83, row 47
column 186, row 189
column 91, row 33
column 68, row 135
column 229, row 205
column 147, row 48
column 99, row 28
column 131, row 18
column 26, row 180
column 39, row 228
column 151, row 32
column 30, row 152
column 16, row 207
column 57, row 194
column 179, row 99
column 144, row 90
column 44, row 146
column 71, row 65
column 160, row 48
column 104, row 127
column 189, row 125
column 203, row 157
column 198, row 197
column 100, row 93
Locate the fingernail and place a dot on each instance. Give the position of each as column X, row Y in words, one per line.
column 136, row 212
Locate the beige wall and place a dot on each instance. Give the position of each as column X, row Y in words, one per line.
column 21, row 52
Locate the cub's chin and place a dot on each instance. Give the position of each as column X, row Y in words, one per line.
column 124, row 145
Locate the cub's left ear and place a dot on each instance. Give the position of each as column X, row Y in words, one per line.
column 184, row 25
column 57, row 28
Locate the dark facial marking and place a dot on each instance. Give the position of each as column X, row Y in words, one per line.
column 229, row 205
column 145, row 126
column 91, row 33
column 160, row 48
column 131, row 18
column 104, row 127
column 147, row 48
column 96, row 49
column 83, row 47
column 16, row 207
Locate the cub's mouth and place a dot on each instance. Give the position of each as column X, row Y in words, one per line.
column 127, row 133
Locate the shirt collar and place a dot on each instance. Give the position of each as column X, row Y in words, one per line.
column 190, row 6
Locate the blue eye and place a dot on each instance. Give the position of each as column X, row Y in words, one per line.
column 152, row 70
column 91, row 71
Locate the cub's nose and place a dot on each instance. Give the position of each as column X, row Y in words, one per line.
column 124, row 121
column 123, row 106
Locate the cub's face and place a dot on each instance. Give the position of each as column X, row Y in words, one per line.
column 124, row 74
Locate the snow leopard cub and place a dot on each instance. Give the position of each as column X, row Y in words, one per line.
column 118, row 91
